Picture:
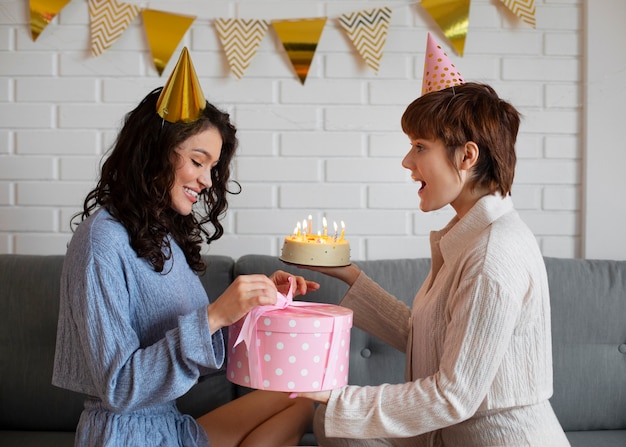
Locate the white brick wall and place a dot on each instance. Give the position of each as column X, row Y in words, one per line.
column 332, row 146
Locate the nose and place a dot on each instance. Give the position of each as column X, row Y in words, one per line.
column 205, row 180
column 407, row 162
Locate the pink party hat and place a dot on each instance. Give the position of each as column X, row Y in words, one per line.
column 439, row 71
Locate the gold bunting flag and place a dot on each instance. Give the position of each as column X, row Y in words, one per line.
column 240, row 39
column 524, row 9
column 368, row 32
column 164, row 31
column 43, row 12
column 300, row 39
column 452, row 16
column 108, row 20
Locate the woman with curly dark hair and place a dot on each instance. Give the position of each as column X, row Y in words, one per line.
column 136, row 329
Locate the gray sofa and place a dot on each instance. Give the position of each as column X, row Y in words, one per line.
column 589, row 349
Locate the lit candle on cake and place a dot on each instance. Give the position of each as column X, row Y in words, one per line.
column 335, row 225
column 325, row 224
column 343, row 230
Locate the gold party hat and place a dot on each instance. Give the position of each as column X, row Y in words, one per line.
column 182, row 98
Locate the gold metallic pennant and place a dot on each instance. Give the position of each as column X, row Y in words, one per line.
column 240, row 39
column 300, row 39
column 452, row 16
column 108, row 21
column 524, row 9
column 43, row 12
column 368, row 32
column 164, row 31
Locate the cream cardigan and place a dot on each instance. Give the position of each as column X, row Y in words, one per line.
column 477, row 340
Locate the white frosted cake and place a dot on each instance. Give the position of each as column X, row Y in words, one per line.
column 321, row 251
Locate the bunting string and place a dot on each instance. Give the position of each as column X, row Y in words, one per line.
column 240, row 38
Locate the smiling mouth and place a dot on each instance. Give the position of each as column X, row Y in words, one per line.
column 191, row 193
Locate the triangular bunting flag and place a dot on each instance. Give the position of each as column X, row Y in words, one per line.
column 524, row 9
column 164, row 31
column 368, row 32
column 43, row 12
column 240, row 39
column 452, row 16
column 300, row 39
column 108, row 21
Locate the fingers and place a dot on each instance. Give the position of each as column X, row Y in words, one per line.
column 301, row 286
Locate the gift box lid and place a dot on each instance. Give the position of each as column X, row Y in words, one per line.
column 303, row 317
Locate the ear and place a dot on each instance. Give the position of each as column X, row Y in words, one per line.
column 469, row 155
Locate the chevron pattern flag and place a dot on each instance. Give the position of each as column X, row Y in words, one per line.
column 240, row 39
column 108, row 20
column 368, row 32
column 524, row 9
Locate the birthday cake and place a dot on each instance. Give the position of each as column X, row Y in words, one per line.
column 321, row 250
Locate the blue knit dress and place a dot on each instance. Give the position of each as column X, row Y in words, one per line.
column 131, row 339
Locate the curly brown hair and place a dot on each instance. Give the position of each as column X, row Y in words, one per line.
column 470, row 112
column 138, row 174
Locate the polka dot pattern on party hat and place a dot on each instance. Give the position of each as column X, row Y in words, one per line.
column 439, row 71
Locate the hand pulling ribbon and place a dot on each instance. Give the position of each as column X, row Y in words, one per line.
column 248, row 334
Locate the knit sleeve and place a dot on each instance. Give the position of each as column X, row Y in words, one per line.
column 378, row 312
column 122, row 372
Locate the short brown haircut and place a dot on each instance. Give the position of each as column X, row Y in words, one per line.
column 470, row 112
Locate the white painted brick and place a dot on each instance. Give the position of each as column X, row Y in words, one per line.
column 558, row 17
column 6, row 38
column 55, row 90
column 496, row 42
column 5, row 142
column 256, row 144
column 562, row 198
column 6, row 87
column 555, row 121
column 27, row 168
column 384, row 118
column 107, row 64
column 563, row 96
column 562, row 44
column 476, row 68
column 397, row 248
column 91, row 116
column 321, row 144
column 394, row 145
column 66, row 215
column 540, row 69
column 349, row 65
column 552, row 223
column 128, row 91
column 26, row 64
column 547, row 172
column 270, row 222
column 61, row 142
column 529, row 145
column 15, row 115
column 252, row 169
column 393, row 196
column 79, row 168
column 560, row 247
column 361, row 170
column 321, row 195
column 276, row 117
column 284, row 10
column 224, row 92
column 526, row 197
column 52, row 194
column 322, row 92
column 254, row 195
column 42, row 244
column 520, row 94
column 6, row 193
column 484, row 15
column 394, row 92
column 6, row 243
column 566, row 146
column 27, row 219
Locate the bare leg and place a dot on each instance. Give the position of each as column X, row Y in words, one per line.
column 260, row 418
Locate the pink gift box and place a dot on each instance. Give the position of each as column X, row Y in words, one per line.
column 303, row 347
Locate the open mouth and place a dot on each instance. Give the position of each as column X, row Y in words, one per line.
column 193, row 194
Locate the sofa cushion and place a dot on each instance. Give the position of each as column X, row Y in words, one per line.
column 588, row 302
column 29, row 305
